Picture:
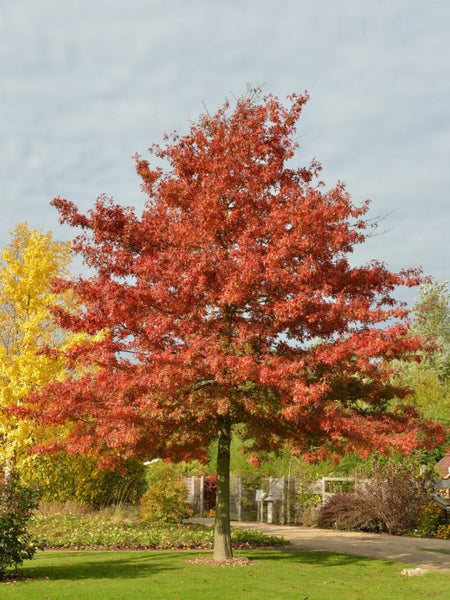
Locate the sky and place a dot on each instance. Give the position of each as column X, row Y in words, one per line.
column 85, row 84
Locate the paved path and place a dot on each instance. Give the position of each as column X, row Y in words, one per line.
column 421, row 552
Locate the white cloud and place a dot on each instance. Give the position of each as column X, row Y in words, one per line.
column 87, row 83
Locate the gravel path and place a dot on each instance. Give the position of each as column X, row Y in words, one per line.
column 421, row 552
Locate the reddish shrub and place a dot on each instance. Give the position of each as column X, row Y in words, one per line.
column 209, row 492
column 348, row 511
column 392, row 501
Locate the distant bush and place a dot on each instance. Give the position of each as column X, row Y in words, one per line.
column 431, row 518
column 397, row 497
column 348, row 511
column 16, row 506
column 209, row 493
column 394, row 500
column 254, row 538
column 165, row 499
column 310, row 516
column 443, row 532
column 63, row 477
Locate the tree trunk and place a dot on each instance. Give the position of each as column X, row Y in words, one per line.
column 222, row 532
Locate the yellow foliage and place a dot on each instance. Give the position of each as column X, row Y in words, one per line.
column 29, row 264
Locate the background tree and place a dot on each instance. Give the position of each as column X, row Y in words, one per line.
column 63, row 478
column 231, row 300
column 27, row 330
column 429, row 379
column 29, row 263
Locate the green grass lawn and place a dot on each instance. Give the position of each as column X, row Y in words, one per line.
column 160, row 575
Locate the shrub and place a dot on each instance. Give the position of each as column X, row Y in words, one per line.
column 63, row 477
column 310, row 516
column 16, row 505
column 396, row 497
column 348, row 511
column 431, row 518
column 443, row 532
column 209, row 493
column 165, row 500
column 394, row 500
column 307, row 506
column 254, row 538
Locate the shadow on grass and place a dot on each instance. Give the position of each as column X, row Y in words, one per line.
column 319, row 558
column 84, row 565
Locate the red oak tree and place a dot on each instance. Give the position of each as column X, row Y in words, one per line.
column 231, row 299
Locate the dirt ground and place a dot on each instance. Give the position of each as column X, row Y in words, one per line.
column 420, row 552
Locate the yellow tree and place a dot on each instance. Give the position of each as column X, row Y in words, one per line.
column 29, row 264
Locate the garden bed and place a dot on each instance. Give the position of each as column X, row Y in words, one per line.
column 99, row 532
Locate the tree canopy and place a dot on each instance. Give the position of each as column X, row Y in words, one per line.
column 231, row 299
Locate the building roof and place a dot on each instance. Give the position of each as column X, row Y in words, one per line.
column 444, row 466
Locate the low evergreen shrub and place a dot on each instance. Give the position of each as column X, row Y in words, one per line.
column 16, row 507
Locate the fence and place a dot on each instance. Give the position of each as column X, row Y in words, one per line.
column 273, row 499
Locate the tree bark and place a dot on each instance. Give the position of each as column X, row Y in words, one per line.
column 222, row 531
